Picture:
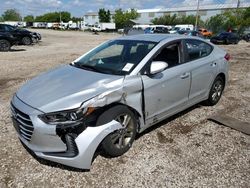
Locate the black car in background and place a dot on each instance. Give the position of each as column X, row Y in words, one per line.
column 161, row 30
column 246, row 37
column 24, row 36
column 6, row 41
column 225, row 38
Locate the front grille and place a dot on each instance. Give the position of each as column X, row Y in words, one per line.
column 22, row 123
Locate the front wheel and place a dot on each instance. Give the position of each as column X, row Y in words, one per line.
column 26, row 40
column 119, row 142
column 4, row 45
column 215, row 91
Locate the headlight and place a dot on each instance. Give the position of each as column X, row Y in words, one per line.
column 63, row 117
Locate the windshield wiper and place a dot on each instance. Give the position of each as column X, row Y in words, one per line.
column 86, row 67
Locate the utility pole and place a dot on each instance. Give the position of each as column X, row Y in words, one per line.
column 238, row 4
column 60, row 17
column 197, row 14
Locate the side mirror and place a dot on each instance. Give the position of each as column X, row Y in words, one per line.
column 158, row 66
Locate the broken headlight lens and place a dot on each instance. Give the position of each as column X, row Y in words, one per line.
column 63, row 117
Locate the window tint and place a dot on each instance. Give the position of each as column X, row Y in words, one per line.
column 2, row 28
column 197, row 49
column 170, row 54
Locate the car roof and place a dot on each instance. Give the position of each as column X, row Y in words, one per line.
column 152, row 37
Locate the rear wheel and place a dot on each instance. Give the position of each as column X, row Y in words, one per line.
column 4, row 45
column 26, row 40
column 119, row 142
column 215, row 91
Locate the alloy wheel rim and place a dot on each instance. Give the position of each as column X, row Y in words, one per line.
column 26, row 40
column 217, row 91
column 122, row 137
column 3, row 46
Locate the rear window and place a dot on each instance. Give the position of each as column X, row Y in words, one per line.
column 197, row 49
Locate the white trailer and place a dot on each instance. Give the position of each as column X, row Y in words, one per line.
column 107, row 26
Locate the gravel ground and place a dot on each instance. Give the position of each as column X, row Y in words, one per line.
column 183, row 151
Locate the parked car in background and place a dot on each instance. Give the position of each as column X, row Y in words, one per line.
column 161, row 30
column 205, row 32
column 177, row 28
column 24, row 36
column 246, row 37
column 225, row 38
column 123, row 87
column 6, row 41
column 133, row 31
column 156, row 29
column 190, row 33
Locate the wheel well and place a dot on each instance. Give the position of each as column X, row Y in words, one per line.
column 136, row 113
column 222, row 75
column 117, row 103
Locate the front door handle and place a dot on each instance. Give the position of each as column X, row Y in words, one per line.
column 185, row 75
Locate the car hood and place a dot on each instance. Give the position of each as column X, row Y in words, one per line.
column 23, row 31
column 65, row 88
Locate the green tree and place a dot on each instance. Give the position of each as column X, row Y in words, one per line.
column 76, row 19
column 123, row 19
column 1, row 19
column 54, row 17
column 174, row 20
column 104, row 16
column 29, row 18
column 236, row 20
column 11, row 15
column 215, row 23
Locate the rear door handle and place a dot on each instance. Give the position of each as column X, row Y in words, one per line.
column 185, row 75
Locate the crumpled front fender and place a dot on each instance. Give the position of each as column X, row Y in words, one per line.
column 87, row 143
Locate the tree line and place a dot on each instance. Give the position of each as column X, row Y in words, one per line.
column 237, row 20
column 231, row 19
column 14, row 15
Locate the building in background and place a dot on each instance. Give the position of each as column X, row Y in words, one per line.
column 146, row 15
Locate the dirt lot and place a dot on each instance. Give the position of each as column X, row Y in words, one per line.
column 184, row 151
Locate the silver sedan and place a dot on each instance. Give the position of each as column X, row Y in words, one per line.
column 115, row 91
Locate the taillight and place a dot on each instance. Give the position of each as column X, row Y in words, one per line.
column 227, row 57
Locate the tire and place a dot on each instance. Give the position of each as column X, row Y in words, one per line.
column 26, row 40
column 215, row 91
column 120, row 141
column 4, row 45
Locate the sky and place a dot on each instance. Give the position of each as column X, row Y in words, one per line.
column 79, row 7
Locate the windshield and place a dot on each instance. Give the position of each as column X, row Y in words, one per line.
column 222, row 34
column 118, row 57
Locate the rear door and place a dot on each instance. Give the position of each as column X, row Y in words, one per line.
column 166, row 92
column 203, row 68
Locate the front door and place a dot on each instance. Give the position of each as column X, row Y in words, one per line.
column 166, row 92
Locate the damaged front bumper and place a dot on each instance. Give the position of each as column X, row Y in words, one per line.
column 73, row 150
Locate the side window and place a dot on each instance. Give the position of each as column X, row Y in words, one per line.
column 197, row 49
column 170, row 54
column 2, row 28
